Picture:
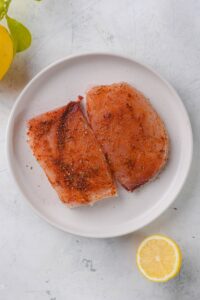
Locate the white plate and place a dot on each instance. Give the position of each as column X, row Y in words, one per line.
column 62, row 82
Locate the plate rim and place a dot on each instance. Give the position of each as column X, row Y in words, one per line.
column 153, row 216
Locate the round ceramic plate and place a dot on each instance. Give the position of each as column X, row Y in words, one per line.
column 56, row 86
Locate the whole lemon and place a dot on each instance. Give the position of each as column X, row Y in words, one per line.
column 6, row 51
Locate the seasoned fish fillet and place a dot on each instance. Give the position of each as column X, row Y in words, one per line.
column 132, row 135
column 67, row 150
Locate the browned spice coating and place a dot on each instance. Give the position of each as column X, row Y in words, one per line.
column 67, row 150
column 132, row 135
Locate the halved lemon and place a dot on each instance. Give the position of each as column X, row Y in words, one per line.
column 159, row 258
column 6, row 51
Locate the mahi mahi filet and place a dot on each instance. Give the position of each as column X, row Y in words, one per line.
column 132, row 135
column 67, row 150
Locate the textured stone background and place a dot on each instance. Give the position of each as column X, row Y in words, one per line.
column 40, row 262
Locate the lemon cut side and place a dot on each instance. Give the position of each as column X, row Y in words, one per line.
column 159, row 258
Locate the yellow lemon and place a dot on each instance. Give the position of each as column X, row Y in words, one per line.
column 159, row 258
column 6, row 51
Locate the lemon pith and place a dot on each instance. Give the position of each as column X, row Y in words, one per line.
column 6, row 51
column 159, row 258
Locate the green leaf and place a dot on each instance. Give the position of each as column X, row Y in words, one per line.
column 4, row 5
column 20, row 34
column 2, row 9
